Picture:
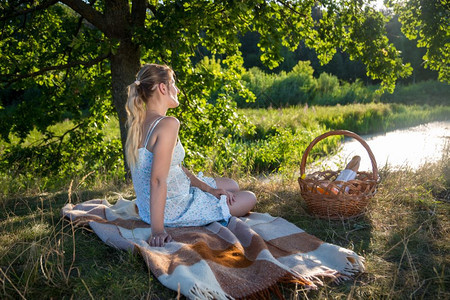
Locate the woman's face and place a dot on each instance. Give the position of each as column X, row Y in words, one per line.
column 173, row 93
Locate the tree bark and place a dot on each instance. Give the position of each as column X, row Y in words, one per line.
column 116, row 22
column 124, row 66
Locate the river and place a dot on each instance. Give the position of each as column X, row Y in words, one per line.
column 410, row 147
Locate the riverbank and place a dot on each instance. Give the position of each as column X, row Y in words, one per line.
column 280, row 136
column 403, row 148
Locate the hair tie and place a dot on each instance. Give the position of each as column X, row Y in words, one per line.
column 137, row 82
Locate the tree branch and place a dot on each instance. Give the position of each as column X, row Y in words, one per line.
column 138, row 12
column 285, row 4
column 29, row 10
column 77, row 31
column 89, row 13
column 54, row 68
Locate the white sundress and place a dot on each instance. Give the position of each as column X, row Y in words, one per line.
column 185, row 205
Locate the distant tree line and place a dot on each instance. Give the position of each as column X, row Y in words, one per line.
column 341, row 66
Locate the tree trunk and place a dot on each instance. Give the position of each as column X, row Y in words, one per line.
column 124, row 66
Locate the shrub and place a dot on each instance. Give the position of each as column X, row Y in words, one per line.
column 425, row 92
column 330, row 92
column 279, row 90
column 327, row 85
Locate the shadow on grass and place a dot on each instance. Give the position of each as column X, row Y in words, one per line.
column 417, row 244
column 43, row 256
column 22, row 205
column 404, row 237
column 283, row 199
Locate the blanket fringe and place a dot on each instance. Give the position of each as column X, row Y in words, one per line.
column 354, row 266
column 202, row 293
column 297, row 279
column 274, row 289
column 307, row 283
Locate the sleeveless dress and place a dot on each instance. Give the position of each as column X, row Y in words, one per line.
column 185, row 205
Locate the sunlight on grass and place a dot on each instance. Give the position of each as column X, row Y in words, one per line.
column 404, row 236
column 35, row 231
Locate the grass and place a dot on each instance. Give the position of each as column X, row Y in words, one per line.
column 404, row 238
column 276, row 144
column 280, row 136
column 360, row 118
column 430, row 92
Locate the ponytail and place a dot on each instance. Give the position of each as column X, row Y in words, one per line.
column 136, row 115
column 139, row 93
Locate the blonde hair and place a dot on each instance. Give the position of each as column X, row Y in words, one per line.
column 139, row 93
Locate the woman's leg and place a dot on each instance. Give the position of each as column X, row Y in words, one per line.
column 245, row 200
column 227, row 184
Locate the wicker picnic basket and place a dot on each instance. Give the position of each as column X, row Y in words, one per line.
column 329, row 199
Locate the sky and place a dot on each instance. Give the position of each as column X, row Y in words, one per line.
column 378, row 4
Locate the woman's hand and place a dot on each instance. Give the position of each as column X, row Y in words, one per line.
column 219, row 192
column 159, row 239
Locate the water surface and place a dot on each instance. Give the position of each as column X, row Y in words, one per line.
column 410, row 147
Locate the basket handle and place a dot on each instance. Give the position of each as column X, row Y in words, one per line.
column 340, row 132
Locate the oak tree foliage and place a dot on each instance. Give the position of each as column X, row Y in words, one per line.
column 73, row 59
column 428, row 22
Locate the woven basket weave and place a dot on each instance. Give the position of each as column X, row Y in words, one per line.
column 329, row 199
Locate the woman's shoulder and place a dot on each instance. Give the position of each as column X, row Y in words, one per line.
column 170, row 122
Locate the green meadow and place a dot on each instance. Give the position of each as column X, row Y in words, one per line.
column 404, row 236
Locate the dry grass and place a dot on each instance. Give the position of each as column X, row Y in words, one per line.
column 44, row 256
column 404, row 238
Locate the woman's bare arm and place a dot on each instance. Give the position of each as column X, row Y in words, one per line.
column 166, row 136
column 196, row 182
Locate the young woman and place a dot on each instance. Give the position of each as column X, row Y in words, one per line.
column 167, row 193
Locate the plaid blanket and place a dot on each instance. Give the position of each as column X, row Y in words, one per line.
column 246, row 258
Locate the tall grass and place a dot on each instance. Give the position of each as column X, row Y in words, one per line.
column 275, row 143
column 360, row 118
column 429, row 92
column 44, row 256
column 377, row 117
column 277, row 152
column 280, row 136
column 404, row 237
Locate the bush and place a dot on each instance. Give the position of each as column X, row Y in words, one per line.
column 279, row 90
column 327, row 85
column 330, row 92
column 299, row 87
column 280, row 152
column 425, row 92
